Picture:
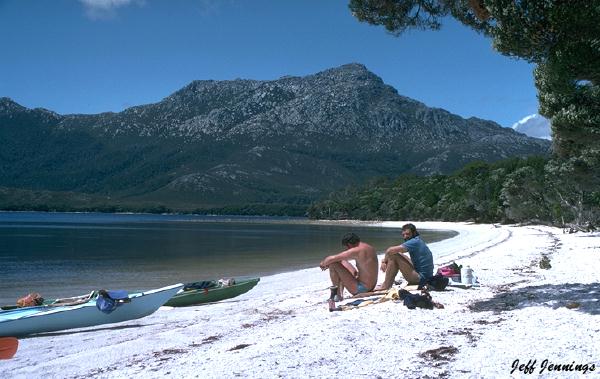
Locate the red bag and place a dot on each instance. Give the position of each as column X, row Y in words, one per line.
column 447, row 271
column 451, row 270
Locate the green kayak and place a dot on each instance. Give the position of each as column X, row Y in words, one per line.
column 210, row 291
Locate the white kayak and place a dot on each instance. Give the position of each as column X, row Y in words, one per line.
column 50, row 318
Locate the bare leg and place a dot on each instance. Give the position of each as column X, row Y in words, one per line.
column 340, row 275
column 350, row 267
column 335, row 280
column 398, row 262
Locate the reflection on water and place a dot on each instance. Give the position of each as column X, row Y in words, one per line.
column 65, row 254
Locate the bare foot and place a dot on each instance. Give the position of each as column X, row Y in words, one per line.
column 380, row 287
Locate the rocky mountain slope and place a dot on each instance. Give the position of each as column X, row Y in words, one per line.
column 218, row 143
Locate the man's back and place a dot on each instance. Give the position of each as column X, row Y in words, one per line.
column 367, row 264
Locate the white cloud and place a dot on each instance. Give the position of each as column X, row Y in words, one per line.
column 534, row 126
column 524, row 120
column 99, row 9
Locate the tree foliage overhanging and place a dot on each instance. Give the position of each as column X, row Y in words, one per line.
column 562, row 38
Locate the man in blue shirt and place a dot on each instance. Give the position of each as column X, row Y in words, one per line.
column 416, row 268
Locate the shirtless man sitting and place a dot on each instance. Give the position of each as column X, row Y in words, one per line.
column 343, row 274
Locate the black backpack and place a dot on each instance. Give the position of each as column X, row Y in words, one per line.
column 438, row 282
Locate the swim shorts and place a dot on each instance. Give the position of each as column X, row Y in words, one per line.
column 360, row 288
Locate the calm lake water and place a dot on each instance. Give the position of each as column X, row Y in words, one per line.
column 67, row 254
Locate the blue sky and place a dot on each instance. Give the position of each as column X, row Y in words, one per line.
column 91, row 56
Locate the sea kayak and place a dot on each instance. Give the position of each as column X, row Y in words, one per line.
column 53, row 317
column 210, row 291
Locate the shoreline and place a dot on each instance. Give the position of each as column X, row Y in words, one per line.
column 282, row 327
column 35, row 250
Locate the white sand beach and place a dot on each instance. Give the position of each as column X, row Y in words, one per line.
column 282, row 328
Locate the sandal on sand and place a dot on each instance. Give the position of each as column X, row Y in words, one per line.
column 334, row 296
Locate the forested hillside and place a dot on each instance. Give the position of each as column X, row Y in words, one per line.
column 513, row 190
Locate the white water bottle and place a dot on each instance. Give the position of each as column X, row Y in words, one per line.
column 466, row 275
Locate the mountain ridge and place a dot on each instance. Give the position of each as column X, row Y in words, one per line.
column 218, row 143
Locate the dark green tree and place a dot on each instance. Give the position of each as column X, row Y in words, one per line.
column 523, row 196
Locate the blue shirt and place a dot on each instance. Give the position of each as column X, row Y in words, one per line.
column 421, row 256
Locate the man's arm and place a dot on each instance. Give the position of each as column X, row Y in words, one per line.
column 343, row 256
column 389, row 252
column 395, row 250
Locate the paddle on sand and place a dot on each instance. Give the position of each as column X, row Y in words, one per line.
column 8, row 347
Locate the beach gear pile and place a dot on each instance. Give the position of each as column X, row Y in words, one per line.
column 31, row 300
column 449, row 275
column 458, row 275
column 411, row 301
column 206, row 284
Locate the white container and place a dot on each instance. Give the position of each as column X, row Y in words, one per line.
column 466, row 275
